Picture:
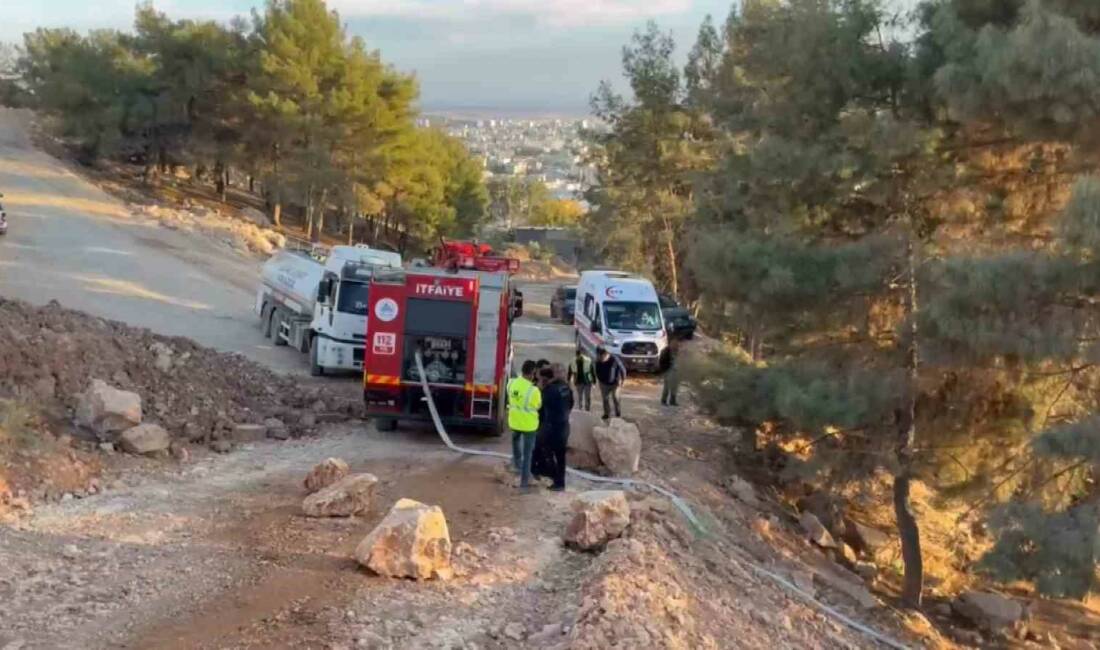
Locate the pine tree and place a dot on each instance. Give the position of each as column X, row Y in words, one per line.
column 647, row 162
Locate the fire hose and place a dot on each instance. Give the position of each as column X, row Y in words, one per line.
column 680, row 504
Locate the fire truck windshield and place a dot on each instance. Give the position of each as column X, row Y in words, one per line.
column 353, row 298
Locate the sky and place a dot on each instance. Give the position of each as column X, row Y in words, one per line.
column 513, row 55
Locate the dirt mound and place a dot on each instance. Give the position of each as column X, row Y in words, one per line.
column 51, row 354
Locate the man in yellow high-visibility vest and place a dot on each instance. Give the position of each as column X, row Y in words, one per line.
column 524, row 400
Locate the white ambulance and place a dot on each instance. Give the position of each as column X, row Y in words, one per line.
column 620, row 312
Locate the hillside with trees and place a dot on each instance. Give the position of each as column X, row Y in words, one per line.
column 311, row 117
column 892, row 222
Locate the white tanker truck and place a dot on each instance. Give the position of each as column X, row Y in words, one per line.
column 317, row 303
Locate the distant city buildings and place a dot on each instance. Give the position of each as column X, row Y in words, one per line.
column 551, row 151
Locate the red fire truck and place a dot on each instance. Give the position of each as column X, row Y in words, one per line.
column 458, row 314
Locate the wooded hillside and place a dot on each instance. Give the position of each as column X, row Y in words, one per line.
column 286, row 99
column 893, row 222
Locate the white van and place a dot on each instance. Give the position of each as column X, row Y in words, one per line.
column 622, row 313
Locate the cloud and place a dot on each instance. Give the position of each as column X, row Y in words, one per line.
column 551, row 13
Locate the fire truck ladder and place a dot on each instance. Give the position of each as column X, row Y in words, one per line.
column 485, row 350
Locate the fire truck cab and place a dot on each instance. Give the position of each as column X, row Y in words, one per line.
column 459, row 319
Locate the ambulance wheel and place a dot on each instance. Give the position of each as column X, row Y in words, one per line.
column 315, row 369
column 385, row 424
column 276, row 325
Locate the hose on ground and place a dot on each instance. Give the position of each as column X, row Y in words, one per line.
column 680, row 504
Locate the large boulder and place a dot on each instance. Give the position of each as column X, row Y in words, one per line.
column 866, row 539
column 145, row 439
column 412, row 541
column 107, row 410
column 324, row 474
column 620, row 446
column 581, row 451
column 349, row 496
column 255, row 216
column 599, row 516
column 815, row 530
column 988, row 610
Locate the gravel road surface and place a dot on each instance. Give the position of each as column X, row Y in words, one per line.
column 70, row 241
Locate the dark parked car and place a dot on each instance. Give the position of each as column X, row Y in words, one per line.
column 563, row 303
column 678, row 321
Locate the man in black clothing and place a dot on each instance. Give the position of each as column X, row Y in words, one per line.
column 610, row 374
column 672, row 375
column 557, row 403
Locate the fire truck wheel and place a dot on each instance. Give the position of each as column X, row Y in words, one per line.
column 385, row 424
column 315, row 369
column 276, row 325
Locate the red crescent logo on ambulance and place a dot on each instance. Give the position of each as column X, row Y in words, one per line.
column 613, row 292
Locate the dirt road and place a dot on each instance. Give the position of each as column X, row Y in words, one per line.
column 69, row 241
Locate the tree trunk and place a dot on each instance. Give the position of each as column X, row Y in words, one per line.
column 276, row 191
column 251, row 184
column 351, row 232
column 670, row 249
column 320, row 210
column 225, row 183
column 309, row 214
column 219, row 180
column 908, row 530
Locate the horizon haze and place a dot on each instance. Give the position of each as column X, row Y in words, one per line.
column 523, row 57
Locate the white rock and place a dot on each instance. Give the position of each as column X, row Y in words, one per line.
column 620, row 446
column 514, row 631
column 325, row 474
column 581, row 450
column 105, row 409
column 866, row 539
column 145, row 439
column 346, row 497
column 598, row 517
column 412, row 541
column 163, row 362
column 255, row 216
column 867, row 570
column 988, row 610
column 743, row 490
column 249, row 433
column 815, row 530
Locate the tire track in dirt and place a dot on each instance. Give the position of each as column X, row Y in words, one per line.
column 303, row 568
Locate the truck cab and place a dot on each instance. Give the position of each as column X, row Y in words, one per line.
column 621, row 313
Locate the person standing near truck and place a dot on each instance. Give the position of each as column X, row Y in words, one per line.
column 524, row 401
column 582, row 377
column 557, row 403
column 610, row 374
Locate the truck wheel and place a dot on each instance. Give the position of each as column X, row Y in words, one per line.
column 315, row 369
column 276, row 325
column 385, row 424
column 265, row 317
